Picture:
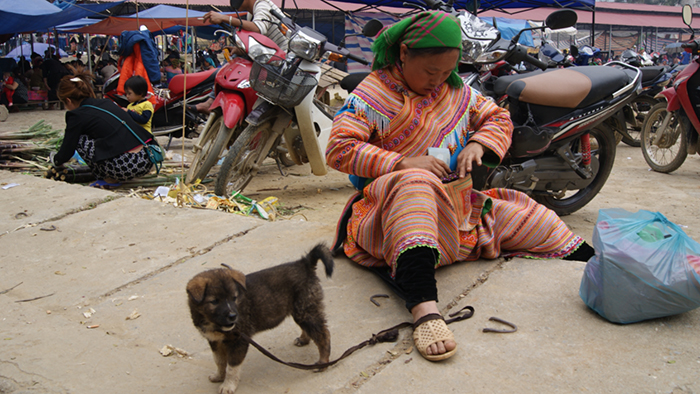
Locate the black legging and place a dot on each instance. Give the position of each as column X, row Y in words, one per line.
column 415, row 275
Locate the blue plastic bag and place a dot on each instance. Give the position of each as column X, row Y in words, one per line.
column 645, row 267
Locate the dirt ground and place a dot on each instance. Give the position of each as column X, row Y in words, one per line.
column 632, row 185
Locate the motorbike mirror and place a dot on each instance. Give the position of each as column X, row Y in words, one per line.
column 372, row 28
column 687, row 14
column 473, row 6
column 561, row 19
column 573, row 50
column 236, row 4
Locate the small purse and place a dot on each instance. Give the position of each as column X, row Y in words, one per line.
column 154, row 151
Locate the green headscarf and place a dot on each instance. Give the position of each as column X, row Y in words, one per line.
column 430, row 29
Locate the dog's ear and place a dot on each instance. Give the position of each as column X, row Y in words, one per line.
column 238, row 277
column 196, row 288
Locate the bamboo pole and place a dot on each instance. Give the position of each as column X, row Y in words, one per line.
column 89, row 56
column 184, row 97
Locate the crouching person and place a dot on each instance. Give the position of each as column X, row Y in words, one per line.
column 102, row 134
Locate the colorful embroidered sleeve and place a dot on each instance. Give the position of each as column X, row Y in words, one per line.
column 350, row 149
column 493, row 126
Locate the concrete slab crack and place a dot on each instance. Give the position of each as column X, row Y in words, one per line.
column 86, row 207
column 483, row 277
column 175, row 263
column 34, row 381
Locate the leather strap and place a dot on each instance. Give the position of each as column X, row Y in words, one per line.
column 388, row 335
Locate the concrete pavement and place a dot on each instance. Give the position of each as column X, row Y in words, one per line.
column 102, row 257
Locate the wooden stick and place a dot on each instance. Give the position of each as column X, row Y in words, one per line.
column 5, row 291
column 36, row 298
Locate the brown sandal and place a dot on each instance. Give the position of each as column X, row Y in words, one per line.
column 431, row 329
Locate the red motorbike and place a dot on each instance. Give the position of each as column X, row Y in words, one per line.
column 670, row 130
column 167, row 111
column 234, row 100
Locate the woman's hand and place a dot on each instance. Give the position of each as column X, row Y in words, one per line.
column 472, row 153
column 429, row 163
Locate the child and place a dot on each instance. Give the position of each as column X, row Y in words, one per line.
column 140, row 109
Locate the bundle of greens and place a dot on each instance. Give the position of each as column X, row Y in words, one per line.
column 27, row 150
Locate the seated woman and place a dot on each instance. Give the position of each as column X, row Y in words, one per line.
column 172, row 67
column 404, row 220
column 106, row 144
column 13, row 91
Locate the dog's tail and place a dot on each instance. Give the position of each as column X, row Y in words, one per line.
column 320, row 252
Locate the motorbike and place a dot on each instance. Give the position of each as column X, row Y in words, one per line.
column 170, row 104
column 234, row 100
column 654, row 79
column 286, row 117
column 670, row 131
column 563, row 146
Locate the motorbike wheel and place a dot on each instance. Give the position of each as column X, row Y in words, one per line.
column 672, row 149
column 641, row 106
column 243, row 159
column 284, row 157
column 212, row 143
column 602, row 147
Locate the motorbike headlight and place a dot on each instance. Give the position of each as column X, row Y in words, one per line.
column 305, row 46
column 472, row 49
column 256, row 49
column 492, row 56
column 239, row 42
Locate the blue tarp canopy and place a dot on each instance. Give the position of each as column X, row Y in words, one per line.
column 76, row 24
column 165, row 12
column 23, row 16
column 509, row 28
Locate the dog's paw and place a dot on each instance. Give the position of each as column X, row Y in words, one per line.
column 301, row 341
column 216, row 378
column 227, row 388
column 233, row 377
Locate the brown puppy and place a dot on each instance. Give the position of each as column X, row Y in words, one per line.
column 224, row 302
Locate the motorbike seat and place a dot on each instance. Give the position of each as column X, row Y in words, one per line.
column 651, row 73
column 576, row 87
column 350, row 82
column 177, row 84
column 502, row 83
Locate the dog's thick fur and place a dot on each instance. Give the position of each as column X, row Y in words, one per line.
column 224, row 302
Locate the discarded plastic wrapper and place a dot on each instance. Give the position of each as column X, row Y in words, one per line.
column 161, row 191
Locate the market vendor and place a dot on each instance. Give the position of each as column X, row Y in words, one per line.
column 414, row 212
column 106, row 143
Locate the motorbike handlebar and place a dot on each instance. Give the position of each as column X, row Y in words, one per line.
column 344, row 53
column 358, row 59
column 277, row 14
column 536, row 62
column 692, row 45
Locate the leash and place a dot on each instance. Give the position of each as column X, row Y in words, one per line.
column 388, row 335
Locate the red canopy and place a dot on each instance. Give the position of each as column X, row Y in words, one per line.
column 155, row 19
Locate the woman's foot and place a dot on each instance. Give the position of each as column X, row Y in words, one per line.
column 104, row 184
column 437, row 348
